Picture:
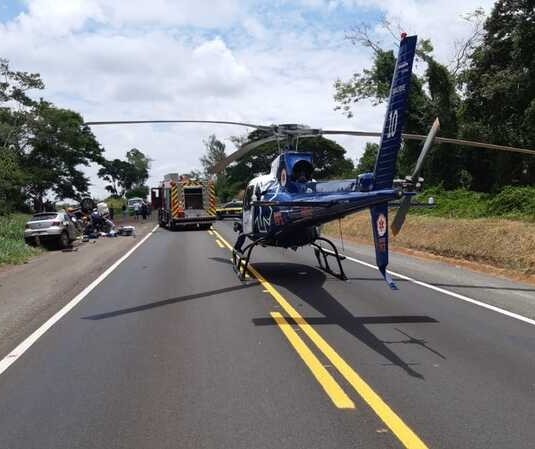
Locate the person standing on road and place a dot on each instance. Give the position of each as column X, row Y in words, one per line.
column 125, row 211
column 137, row 210
column 144, row 211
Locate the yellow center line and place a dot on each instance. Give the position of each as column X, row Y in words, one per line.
column 325, row 379
column 210, row 232
column 219, row 243
column 404, row 433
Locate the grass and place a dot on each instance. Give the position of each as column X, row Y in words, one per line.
column 499, row 242
column 13, row 249
column 514, row 203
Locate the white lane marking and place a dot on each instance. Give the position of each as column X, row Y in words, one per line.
column 516, row 316
column 6, row 362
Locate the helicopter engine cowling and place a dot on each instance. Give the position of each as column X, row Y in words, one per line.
column 290, row 167
column 365, row 182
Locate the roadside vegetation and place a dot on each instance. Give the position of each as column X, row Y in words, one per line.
column 514, row 203
column 13, row 250
column 497, row 242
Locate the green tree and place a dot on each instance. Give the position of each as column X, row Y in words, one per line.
column 11, row 180
column 141, row 164
column 15, row 111
column 215, row 152
column 58, row 144
column 431, row 95
column 120, row 174
column 366, row 162
column 42, row 146
column 126, row 176
column 499, row 87
column 138, row 192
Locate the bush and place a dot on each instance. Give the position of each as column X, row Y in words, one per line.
column 12, row 246
column 458, row 203
column 513, row 202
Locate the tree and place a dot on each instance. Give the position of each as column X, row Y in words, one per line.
column 215, row 152
column 138, row 192
column 499, row 87
column 120, row 174
column 127, row 176
column 42, row 146
column 15, row 107
column 431, row 95
column 141, row 164
column 366, row 162
column 11, row 180
column 15, row 85
column 57, row 145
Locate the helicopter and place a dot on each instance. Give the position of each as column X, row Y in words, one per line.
column 287, row 207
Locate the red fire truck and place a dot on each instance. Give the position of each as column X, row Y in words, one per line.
column 184, row 202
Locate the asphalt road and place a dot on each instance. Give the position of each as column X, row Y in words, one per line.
column 172, row 351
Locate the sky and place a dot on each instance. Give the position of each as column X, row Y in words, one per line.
column 257, row 61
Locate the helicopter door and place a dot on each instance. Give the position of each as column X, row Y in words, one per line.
column 248, row 210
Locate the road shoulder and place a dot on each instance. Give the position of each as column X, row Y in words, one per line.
column 33, row 292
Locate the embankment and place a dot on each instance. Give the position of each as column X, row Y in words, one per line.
column 505, row 244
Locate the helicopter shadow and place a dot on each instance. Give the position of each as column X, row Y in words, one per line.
column 310, row 289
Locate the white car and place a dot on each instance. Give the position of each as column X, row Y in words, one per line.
column 50, row 227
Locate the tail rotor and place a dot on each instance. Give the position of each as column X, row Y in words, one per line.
column 405, row 204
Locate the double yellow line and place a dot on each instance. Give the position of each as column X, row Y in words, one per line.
column 402, row 431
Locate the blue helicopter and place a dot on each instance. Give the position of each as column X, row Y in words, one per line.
column 286, row 207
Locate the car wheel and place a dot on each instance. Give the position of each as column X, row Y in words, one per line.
column 32, row 241
column 64, row 241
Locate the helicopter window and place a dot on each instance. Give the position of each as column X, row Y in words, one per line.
column 302, row 171
column 248, row 196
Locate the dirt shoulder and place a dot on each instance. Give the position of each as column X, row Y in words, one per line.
column 33, row 292
column 503, row 248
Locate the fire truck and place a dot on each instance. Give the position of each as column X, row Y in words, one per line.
column 184, row 202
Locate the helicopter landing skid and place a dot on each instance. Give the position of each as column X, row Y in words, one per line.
column 240, row 259
column 322, row 253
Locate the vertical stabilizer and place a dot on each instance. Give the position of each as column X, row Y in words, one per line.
column 385, row 165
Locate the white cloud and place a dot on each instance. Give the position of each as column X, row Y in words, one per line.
column 230, row 60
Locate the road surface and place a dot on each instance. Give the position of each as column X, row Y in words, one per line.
column 170, row 350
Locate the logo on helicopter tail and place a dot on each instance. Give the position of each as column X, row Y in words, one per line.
column 381, row 225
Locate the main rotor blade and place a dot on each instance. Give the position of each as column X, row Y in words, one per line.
column 427, row 144
column 351, row 133
column 421, row 137
column 470, row 143
column 242, row 151
column 217, row 122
